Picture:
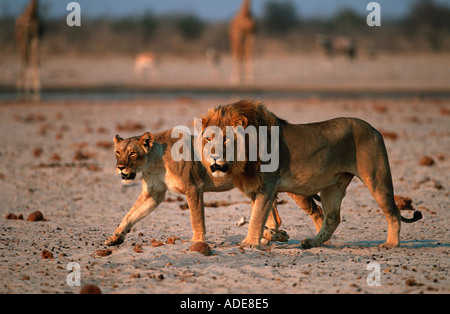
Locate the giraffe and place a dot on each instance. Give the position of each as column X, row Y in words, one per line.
column 28, row 32
column 242, row 40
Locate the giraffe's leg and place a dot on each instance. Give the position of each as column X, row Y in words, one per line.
column 27, row 81
column 238, row 55
column 34, row 69
column 248, row 58
column 20, row 84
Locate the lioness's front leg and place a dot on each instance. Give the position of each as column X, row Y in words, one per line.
column 143, row 206
column 197, row 211
column 261, row 207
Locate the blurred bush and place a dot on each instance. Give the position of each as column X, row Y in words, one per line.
column 428, row 20
column 279, row 17
column 426, row 28
column 190, row 26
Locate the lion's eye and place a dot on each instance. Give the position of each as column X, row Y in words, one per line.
column 208, row 139
column 133, row 154
column 117, row 153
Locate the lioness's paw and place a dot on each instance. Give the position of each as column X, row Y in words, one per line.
column 275, row 235
column 114, row 240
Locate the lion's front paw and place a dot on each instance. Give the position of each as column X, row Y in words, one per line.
column 308, row 243
column 115, row 239
column 387, row 245
column 275, row 235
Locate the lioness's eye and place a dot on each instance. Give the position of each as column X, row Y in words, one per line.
column 208, row 139
column 132, row 154
column 117, row 153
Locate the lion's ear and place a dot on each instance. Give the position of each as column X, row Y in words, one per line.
column 146, row 140
column 117, row 139
column 240, row 121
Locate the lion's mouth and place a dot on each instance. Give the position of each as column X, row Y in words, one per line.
column 129, row 176
column 216, row 167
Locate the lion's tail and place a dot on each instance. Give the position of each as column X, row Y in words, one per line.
column 417, row 216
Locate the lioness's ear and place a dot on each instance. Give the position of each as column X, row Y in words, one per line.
column 117, row 139
column 240, row 121
column 146, row 140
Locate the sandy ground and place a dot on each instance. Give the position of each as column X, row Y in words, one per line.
column 55, row 158
column 303, row 72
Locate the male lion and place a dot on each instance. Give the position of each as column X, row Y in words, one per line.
column 317, row 157
column 151, row 155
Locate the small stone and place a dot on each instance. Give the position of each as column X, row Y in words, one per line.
column 103, row 252
column 426, row 161
column 47, row 254
column 201, row 247
column 138, row 248
column 90, row 289
column 14, row 217
column 36, row 216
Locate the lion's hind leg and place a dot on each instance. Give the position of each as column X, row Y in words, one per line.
column 331, row 198
column 385, row 200
column 308, row 205
column 373, row 169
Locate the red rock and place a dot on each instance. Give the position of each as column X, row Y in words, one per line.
column 90, row 289
column 138, row 248
column 171, row 240
column 12, row 216
column 426, row 161
column 403, row 202
column 36, row 216
column 156, row 243
column 201, row 247
column 47, row 254
column 103, row 252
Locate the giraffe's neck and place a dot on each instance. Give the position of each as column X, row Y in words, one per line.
column 31, row 10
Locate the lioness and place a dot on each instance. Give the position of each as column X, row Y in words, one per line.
column 317, row 157
column 151, row 155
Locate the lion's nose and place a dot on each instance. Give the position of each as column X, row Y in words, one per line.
column 121, row 167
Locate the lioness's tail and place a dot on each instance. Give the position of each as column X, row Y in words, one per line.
column 417, row 216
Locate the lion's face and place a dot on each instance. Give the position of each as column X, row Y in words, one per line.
column 132, row 155
column 219, row 141
column 216, row 162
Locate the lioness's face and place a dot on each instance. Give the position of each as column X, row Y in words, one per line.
column 132, row 155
